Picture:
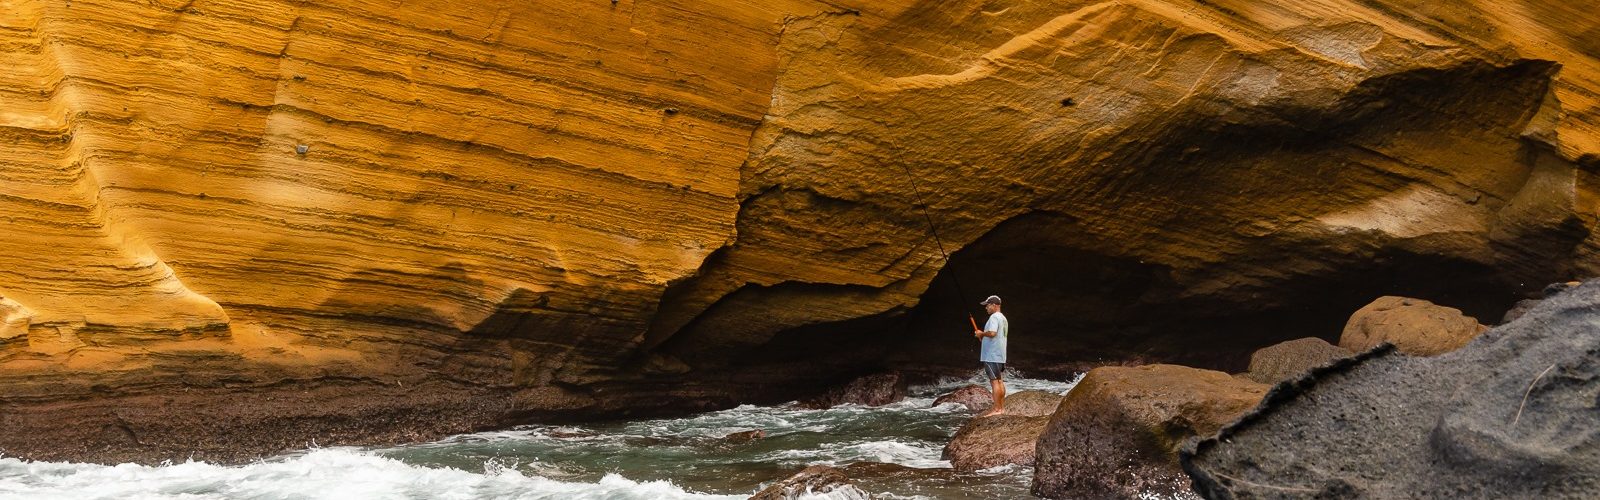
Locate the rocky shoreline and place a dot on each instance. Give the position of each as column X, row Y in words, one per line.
column 1416, row 401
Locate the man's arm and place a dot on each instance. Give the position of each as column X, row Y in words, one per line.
column 989, row 328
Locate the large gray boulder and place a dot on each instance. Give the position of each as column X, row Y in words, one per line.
column 1511, row 415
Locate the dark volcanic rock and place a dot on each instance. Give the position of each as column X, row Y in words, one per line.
column 1511, row 415
column 1414, row 326
column 816, row 479
column 1286, row 360
column 991, row 441
column 1523, row 306
column 1116, row 435
column 974, row 397
column 872, row 390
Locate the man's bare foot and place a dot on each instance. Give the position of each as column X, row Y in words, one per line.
column 992, row 412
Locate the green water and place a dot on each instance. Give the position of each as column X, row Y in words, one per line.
column 906, row 438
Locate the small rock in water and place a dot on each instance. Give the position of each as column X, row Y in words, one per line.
column 974, row 397
column 813, row 480
column 872, row 390
column 744, row 436
column 570, row 433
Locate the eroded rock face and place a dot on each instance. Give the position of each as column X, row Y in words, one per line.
column 1511, row 415
column 1414, row 326
column 1116, row 435
column 705, row 204
column 1287, row 360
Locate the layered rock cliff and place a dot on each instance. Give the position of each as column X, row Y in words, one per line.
column 248, row 224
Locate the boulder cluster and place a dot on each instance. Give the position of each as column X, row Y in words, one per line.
column 1121, row 431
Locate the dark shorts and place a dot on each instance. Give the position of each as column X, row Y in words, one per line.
column 993, row 370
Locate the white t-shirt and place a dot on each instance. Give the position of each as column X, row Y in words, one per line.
column 994, row 348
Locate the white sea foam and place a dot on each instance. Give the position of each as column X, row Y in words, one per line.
column 331, row 473
column 916, row 455
column 558, row 462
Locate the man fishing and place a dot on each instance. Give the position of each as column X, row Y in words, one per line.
column 993, row 352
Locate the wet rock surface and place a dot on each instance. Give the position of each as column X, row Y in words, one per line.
column 973, row 397
column 1414, row 326
column 1117, row 434
column 995, row 440
column 1511, row 415
column 1286, row 360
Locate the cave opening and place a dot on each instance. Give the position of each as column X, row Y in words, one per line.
column 1072, row 307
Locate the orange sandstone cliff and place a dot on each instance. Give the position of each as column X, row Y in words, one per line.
column 234, row 227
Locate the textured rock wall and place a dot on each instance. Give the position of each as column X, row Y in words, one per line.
column 261, row 191
column 592, row 206
column 1153, row 176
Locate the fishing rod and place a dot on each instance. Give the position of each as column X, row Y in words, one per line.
column 916, row 191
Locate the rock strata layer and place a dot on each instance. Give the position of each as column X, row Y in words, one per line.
column 1511, row 415
column 536, row 210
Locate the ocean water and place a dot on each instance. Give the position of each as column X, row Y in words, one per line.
column 890, row 451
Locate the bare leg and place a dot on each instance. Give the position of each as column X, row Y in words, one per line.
column 998, row 388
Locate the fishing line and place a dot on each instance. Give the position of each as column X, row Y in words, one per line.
column 916, row 191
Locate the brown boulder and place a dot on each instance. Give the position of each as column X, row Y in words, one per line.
column 974, row 397
column 991, row 441
column 813, row 480
column 1117, row 433
column 1286, row 360
column 744, row 437
column 872, row 390
column 1032, row 403
column 1415, row 326
column 1009, row 438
